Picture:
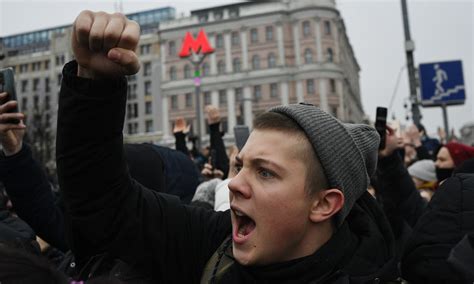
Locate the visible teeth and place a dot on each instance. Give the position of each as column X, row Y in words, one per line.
column 238, row 213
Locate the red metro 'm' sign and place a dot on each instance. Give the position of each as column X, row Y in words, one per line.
column 198, row 45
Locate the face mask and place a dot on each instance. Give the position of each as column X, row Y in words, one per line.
column 442, row 174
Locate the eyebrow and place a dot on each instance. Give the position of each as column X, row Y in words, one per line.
column 260, row 161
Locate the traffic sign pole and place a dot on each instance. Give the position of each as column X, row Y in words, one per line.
column 445, row 119
column 409, row 48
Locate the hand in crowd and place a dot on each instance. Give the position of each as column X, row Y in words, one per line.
column 413, row 136
column 104, row 45
column 213, row 115
column 392, row 142
column 11, row 135
column 180, row 125
column 209, row 172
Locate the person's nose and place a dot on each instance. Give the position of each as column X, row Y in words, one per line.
column 239, row 185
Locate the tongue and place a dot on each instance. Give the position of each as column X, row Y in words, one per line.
column 246, row 226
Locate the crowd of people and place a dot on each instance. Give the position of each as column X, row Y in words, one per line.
column 308, row 199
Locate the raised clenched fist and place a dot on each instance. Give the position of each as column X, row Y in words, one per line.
column 104, row 45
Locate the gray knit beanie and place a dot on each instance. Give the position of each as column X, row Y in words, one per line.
column 347, row 152
column 424, row 170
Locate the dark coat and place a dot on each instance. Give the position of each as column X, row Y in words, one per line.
column 15, row 233
column 30, row 192
column 447, row 219
column 107, row 211
column 163, row 169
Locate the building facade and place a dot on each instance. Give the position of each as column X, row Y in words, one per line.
column 38, row 58
column 266, row 54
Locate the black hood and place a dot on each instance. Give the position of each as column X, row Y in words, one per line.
column 374, row 255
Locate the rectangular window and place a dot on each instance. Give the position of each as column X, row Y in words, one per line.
column 327, row 28
column 306, row 29
column 332, row 85
column 273, row 90
column 310, row 86
column 129, row 111
column 147, row 68
column 235, row 38
column 149, row 126
column 189, row 100
column 147, row 88
column 46, row 65
column 269, row 33
column 207, row 98
column 24, row 103
column 148, row 107
column 59, row 78
column 35, row 102
column 222, row 97
column 132, row 91
column 219, row 41
column 135, row 110
column 24, row 86
column 172, row 48
column 36, row 84
column 47, row 102
column 145, row 49
column 47, row 88
column 238, row 95
column 174, row 102
column 257, row 92
column 35, row 66
column 253, row 35
column 23, row 68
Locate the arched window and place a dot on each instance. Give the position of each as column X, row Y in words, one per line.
column 330, row 55
column 256, row 62
column 221, row 67
column 271, row 60
column 172, row 73
column 308, row 56
column 187, row 71
column 236, row 65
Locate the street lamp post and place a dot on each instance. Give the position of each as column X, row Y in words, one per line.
column 197, row 93
column 200, row 46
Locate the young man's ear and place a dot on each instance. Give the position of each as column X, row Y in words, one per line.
column 327, row 203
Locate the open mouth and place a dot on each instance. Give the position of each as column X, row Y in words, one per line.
column 244, row 226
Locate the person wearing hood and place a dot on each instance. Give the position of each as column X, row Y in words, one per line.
column 450, row 156
column 300, row 211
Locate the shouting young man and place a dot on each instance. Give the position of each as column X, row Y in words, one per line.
column 299, row 207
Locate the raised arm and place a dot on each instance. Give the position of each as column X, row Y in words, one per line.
column 107, row 211
column 26, row 183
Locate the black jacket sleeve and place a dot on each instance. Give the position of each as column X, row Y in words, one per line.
column 180, row 143
column 217, row 144
column 398, row 192
column 422, row 153
column 107, row 211
column 30, row 192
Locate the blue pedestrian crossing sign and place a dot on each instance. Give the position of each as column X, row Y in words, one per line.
column 442, row 83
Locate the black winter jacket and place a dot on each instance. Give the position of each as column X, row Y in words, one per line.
column 30, row 192
column 107, row 211
column 447, row 219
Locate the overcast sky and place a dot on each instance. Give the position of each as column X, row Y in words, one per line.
column 442, row 30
